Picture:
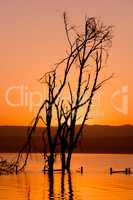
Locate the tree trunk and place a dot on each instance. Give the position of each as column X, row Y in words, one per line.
column 69, row 156
column 63, row 160
column 71, row 195
column 51, row 163
column 62, row 186
column 63, row 154
column 51, row 185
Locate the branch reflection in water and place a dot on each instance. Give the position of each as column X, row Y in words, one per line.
column 32, row 186
column 64, row 194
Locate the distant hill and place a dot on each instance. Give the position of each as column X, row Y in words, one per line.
column 95, row 139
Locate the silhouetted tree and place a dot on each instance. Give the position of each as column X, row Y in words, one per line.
column 91, row 47
column 68, row 97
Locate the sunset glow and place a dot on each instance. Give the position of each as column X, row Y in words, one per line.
column 33, row 40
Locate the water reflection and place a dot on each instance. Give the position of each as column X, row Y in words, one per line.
column 42, row 186
column 28, row 189
column 51, row 186
column 23, row 186
column 93, row 184
column 62, row 186
column 63, row 194
column 70, row 187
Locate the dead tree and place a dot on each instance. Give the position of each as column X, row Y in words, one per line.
column 87, row 53
column 63, row 117
column 46, row 110
column 92, row 46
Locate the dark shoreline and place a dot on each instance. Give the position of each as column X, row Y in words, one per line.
column 96, row 139
column 76, row 152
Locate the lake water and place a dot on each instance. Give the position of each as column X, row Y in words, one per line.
column 94, row 184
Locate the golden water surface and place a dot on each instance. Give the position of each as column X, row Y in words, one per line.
column 94, row 184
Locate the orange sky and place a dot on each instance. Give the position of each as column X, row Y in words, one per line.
column 32, row 39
